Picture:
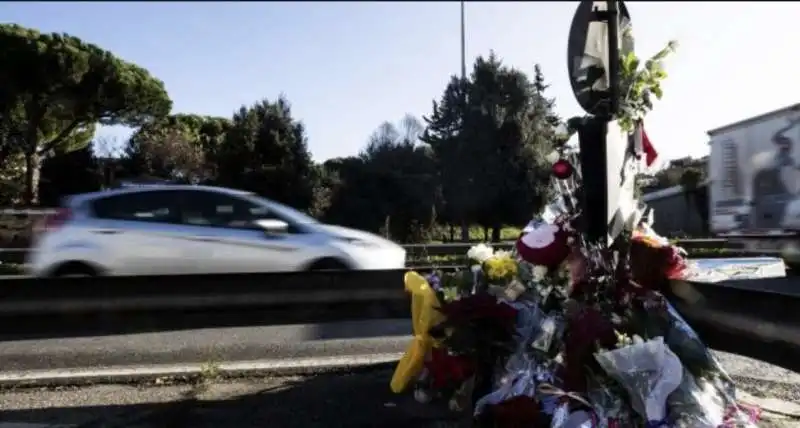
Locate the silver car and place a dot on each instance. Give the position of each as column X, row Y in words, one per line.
column 184, row 229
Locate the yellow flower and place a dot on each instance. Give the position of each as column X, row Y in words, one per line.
column 500, row 268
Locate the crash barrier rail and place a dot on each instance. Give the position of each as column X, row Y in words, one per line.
column 450, row 267
column 31, row 307
column 458, row 248
column 455, row 254
column 755, row 318
column 430, row 251
column 37, row 296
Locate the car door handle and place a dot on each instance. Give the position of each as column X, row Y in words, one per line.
column 204, row 239
column 106, row 231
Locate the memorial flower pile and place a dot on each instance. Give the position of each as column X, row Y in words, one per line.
column 545, row 337
column 554, row 335
column 571, row 328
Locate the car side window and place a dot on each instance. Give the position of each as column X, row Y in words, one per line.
column 150, row 207
column 200, row 208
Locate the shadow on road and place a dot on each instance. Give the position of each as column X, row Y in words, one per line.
column 324, row 401
column 113, row 323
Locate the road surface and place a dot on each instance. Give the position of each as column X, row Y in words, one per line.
column 254, row 343
column 332, row 400
column 323, row 401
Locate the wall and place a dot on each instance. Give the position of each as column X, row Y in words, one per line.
column 674, row 214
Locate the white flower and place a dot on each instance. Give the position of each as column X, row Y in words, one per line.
column 422, row 396
column 541, row 237
column 533, row 224
column 553, row 156
column 499, row 254
column 480, row 253
column 454, row 405
column 539, row 273
column 562, row 132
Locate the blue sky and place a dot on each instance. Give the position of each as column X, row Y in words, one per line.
column 347, row 67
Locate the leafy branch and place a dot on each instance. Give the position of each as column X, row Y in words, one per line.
column 639, row 83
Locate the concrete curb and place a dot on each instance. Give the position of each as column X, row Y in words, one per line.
column 772, row 405
column 155, row 373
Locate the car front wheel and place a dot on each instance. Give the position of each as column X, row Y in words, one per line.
column 74, row 270
column 327, row 264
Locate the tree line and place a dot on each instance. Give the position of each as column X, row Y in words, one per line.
column 477, row 158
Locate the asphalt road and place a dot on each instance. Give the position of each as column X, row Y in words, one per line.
column 257, row 343
column 208, row 345
column 324, row 401
column 332, row 400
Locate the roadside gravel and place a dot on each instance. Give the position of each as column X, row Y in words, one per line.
column 740, row 366
column 324, row 401
column 346, row 400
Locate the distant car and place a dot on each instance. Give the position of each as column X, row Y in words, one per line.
column 167, row 229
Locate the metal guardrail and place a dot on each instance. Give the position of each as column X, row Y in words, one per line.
column 450, row 266
column 67, row 307
column 459, row 248
column 755, row 318
column 425, row 251
column 36, row 296
column 27, row 211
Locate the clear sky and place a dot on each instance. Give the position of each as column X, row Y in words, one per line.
column 347, row 67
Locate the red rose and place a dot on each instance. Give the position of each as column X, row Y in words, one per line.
column 479, row 306
column 521, row 411
column 652, row 266
column 585, row 330
column 445, row 369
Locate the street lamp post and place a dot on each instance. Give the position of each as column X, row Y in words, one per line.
column 463, row 46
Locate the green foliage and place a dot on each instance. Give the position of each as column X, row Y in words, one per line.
column 691, row 178
column 180, row 147
column 674, row 174
column 639, row 82
column 67, row 174
column 391, row 187
column 265, row 151
column 489, row 135
column 56, row 87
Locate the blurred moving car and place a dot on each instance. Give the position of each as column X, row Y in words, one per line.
column 163, row 229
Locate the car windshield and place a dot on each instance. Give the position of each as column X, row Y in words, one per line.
column 289, row 213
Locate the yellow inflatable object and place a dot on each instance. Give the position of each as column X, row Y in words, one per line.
column 424, row 315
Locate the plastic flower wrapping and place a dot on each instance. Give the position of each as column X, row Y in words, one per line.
column 552, row 335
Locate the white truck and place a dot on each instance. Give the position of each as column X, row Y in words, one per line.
column 754, row 181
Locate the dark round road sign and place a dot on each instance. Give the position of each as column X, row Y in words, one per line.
column 587, row 53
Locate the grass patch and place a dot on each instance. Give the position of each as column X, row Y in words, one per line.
column 11, row 269
column 476, row 234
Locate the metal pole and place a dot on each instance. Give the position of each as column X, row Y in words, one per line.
column 463, row 45
column 613, row 56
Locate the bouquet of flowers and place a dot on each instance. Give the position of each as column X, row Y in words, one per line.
column 562, row 332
